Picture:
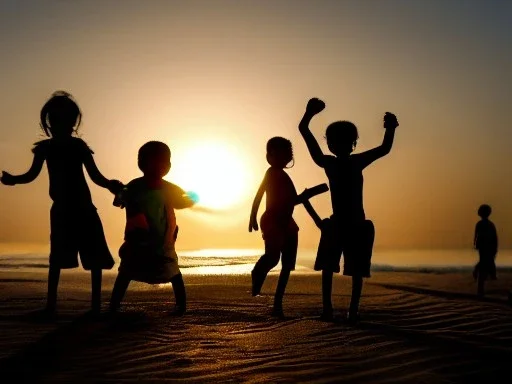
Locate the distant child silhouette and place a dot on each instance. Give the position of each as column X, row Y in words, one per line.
column 347, row 232
column 486, row 241
column 279, row 230
column 148, row 253
column 75, row 225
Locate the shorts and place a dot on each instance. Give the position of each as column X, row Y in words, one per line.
column 355, row 242
column 78, row 231
column 280, row 239
column 142, row 263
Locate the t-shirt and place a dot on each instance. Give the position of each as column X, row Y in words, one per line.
column 150, row 217
column 65, row 159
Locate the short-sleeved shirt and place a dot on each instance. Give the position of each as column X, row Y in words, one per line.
column 150, row 217
column 65, row 159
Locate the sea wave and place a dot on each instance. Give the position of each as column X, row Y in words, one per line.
column 243, row 260
column 21, row 262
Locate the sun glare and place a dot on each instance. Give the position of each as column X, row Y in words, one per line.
column 215, row 172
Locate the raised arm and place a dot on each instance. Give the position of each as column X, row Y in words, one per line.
column 368, row 157
column 29, row 176
column 314, row 107
column 253, row 220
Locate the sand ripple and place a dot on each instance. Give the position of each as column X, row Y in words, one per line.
column 408, row 336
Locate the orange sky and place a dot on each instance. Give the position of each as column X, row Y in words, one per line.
column 237, row 73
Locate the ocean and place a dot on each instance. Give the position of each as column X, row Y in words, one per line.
column 241, row 261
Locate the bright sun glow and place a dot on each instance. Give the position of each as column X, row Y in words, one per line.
column 214, row 171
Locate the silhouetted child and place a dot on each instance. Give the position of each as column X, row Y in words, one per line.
column 486, row 241
column 75, row 225
column 148, row 253
column 347, row 232
column 279, row 230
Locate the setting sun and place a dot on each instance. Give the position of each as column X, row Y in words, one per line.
column 215, row 172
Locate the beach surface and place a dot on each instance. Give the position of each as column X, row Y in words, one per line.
column 416, row 328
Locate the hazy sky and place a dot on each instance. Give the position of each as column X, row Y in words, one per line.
column 228, row 75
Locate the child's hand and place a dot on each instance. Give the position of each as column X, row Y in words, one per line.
column 390, row 120
column 115, row 186
column 253, row 224
column 315, row 106
column 7, row 178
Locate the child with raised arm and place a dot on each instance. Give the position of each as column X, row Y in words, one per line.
column 75, row 225
column 148, row 253
column 351, row 234
column 486, row 242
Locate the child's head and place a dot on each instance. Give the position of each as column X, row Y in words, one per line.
column 60, row 116
column 484, row 211
column 154, row 159
column 341, row 137
column 279, row 152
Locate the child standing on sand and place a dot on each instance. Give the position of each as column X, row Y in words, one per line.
column 75, row 225
column 148, row 253
column 486, row 241
column 347, row 232
column 279, row 230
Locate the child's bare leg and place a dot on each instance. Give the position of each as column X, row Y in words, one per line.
column 118, row 292
column 288, row 259
column 180, row 295
column 475, row 271
column 281, row 287
column 263, row 266
column 96, row 290
column 481, row 282
column 327, row 295
column 493, row 267
column 357, row 287
column 53, row 283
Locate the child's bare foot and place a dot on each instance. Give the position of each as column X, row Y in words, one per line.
column 327, row 315
column 95, row 309
column 277, row 311
column 257, row 283
column 353, row 318
column 178, row 310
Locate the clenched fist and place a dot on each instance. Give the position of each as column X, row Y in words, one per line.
column 315, row 106
column 7, row 178
column 390, row 120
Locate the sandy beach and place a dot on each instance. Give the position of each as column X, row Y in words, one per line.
column 416, row 328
